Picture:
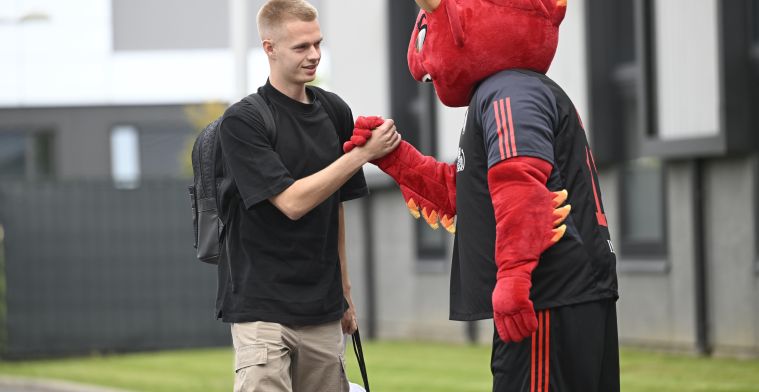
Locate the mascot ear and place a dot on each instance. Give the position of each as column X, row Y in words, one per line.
column 428, row 5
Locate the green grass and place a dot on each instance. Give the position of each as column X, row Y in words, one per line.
column 393, row 366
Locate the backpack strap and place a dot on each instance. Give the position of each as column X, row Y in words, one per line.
column 336, row 110
column 359, row 351
column 260, row 105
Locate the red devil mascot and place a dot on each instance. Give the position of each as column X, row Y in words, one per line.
column 551, row 291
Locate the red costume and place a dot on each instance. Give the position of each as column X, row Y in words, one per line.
column 522, row 138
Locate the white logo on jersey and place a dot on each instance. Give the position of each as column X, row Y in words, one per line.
column 460, row 161
column 611, row 246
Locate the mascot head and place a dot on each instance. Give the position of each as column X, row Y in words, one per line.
column 458, row 43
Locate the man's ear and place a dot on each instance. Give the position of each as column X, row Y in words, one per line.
column 268, row 48
column 428, row 5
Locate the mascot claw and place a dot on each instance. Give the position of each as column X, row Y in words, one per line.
column 431, row 217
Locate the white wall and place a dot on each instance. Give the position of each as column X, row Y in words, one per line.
column 687, row 68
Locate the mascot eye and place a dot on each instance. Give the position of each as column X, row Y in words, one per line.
column 421, row 35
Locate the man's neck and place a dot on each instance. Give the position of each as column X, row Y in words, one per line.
column 294, row 91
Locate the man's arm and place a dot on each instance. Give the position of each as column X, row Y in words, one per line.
column 308, row 192
column 348, row 322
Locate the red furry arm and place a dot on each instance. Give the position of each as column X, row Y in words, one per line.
column 525, row 220
column 426, row 184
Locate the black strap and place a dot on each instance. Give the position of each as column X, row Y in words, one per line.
column 358, row 350
column 331, row 109
column 259, row 104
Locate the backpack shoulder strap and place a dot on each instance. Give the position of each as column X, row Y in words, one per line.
column 337, row 110
column 260, row 105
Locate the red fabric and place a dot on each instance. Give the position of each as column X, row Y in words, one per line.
column 469, row 40
column 427, row 185
column 525, row 220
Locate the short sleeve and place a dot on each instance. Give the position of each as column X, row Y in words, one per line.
column 251, row 160
column 518, row 117
column 355, row 187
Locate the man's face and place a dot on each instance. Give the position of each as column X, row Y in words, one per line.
column 296, row 51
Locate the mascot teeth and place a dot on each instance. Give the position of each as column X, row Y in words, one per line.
column 427, row 78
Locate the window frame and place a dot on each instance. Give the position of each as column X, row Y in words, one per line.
column 616, row 82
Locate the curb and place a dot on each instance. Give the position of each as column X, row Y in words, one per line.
column 46, row 385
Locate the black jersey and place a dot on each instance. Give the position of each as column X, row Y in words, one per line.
column 523, row 113
column 276, row 269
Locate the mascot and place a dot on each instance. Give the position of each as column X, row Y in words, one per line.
column 551, row 291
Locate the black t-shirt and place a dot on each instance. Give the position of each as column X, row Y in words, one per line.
column 274, row 269
column 522, row 113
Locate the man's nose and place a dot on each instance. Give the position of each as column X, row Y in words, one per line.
column 314, row 53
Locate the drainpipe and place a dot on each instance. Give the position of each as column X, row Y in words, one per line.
column 703, row 345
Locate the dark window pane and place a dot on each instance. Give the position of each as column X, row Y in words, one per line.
column 643, row 222
column 624, row 30
column 431, row 243
column 44, row 155
column 12, row 155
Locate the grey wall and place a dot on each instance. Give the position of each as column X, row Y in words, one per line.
column 194, row 24
column 92, row 268
column 82, row 134
column 657, row 304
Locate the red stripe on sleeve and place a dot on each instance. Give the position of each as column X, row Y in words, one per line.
column 498, row 122
column 511, row 128
column 505, row 130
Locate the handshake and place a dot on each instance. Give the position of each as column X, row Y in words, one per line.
column 376, row 136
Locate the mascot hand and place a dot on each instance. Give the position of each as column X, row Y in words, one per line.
column 427, row 186
column 527, row 215
column 513, row 313
column 362, row 131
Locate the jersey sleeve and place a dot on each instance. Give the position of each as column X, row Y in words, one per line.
column 249, row 155
column 518, row 116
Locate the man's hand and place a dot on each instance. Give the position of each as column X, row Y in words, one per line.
column 383, row 140
column 349, row 322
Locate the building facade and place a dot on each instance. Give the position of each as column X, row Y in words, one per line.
column 669, row 94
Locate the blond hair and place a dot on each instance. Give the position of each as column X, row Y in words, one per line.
column 275, row 12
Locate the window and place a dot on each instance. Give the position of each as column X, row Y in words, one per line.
column 125, row 157
column 12, row 155
column 642, row 220
column 623, row 103
column 29, row 156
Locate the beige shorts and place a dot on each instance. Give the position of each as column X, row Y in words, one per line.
column 272, row 357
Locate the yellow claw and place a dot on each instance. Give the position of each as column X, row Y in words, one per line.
column 559, row 198
column 558, row 233
column 560, row 214
column 448, row 224
column 431, row 218
column 413, row 208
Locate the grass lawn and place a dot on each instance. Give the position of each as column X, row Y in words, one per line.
column 394, row 367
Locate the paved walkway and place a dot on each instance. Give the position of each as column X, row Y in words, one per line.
column 12, row 384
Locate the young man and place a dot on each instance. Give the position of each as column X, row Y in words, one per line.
column 283, row 282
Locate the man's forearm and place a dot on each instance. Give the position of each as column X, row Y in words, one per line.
column 308, row 192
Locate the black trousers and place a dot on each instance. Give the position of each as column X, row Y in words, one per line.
column 575, row 349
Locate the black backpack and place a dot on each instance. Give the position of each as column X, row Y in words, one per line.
column 208, row 165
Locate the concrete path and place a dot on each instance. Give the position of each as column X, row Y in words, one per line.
column 13, row 384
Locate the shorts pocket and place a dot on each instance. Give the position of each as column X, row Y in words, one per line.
column 250, row 355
